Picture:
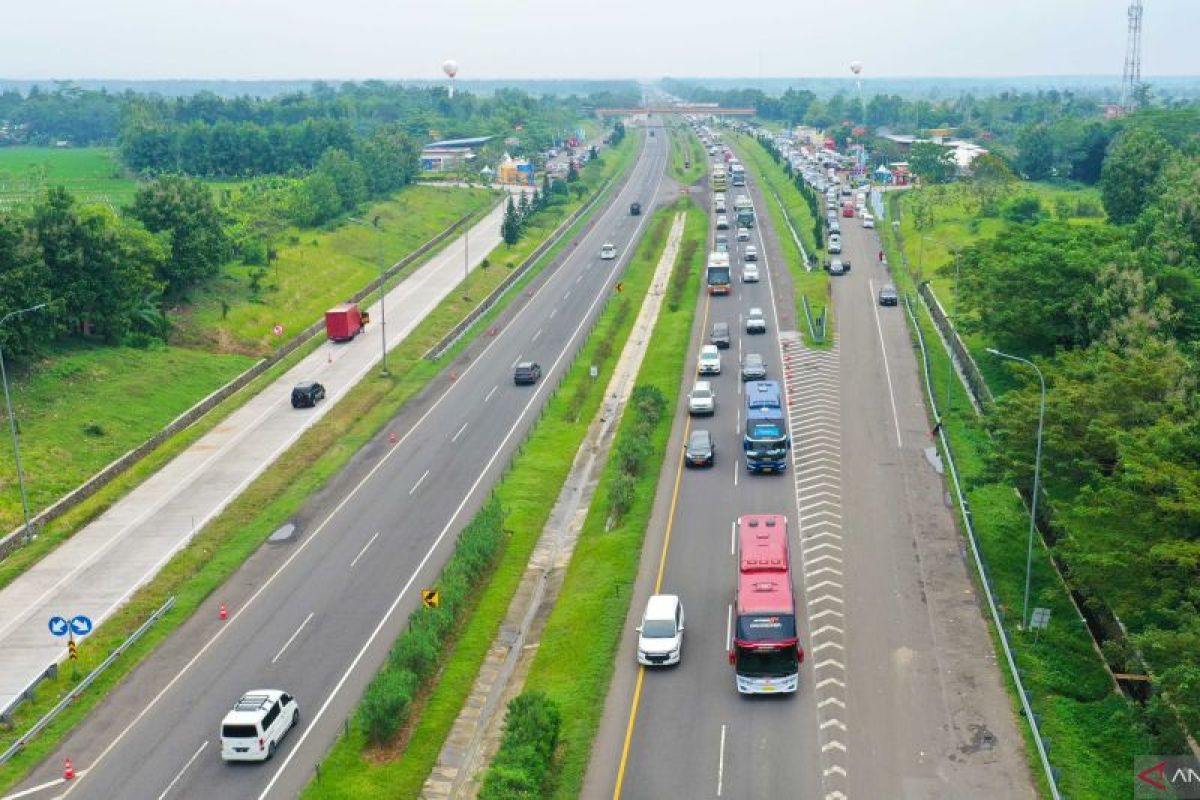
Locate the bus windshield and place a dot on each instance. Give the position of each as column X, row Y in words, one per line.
column 770, row 663
column 766, row 628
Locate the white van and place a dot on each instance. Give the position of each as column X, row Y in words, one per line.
column 257, row 723
column 660, row 636
column 710, row 360
column 608, row 252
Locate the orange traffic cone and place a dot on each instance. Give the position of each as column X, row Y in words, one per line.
column 223, row 613
column 68, row 771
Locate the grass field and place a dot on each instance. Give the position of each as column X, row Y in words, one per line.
column 93, row 174
column 221, row 547
column 82, row 407
column 688, row 160
column 317, row 269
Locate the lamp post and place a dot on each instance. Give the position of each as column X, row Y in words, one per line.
column 950, row 371
column 374, row 225
column 12, row 421
column 1037, row 469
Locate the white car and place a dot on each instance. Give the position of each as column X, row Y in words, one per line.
column 258, row 721
column 710, row 360
column 743, row 234
column 702, row 400
column 835, row 243
column 868, row 221
column 722, row 222
column 750, row 273
column 608, row 252
column 756, row 322
column 660, row 636
column 751, row 253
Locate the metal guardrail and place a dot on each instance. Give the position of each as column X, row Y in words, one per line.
column 464, row 325
column 965, row 511
column 16, row 538
column 796, row 238
column 816, row 328
column 74, row 694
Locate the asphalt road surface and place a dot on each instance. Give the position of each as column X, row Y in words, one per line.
column 900, row 695
column 317, row 616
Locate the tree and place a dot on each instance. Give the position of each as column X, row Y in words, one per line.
column 1022, row 208
column 347, row 176
column 572, row 172
column 524, row 209
column 24, row 282
column 932, row 162
column 1035, row 152
column 314, row 200
column 510, row 227
column 184, row 209
column 389, row 160
column 1134, row 161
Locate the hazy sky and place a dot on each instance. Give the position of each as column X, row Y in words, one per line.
column 354, row 39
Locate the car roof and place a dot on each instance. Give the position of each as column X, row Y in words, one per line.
column 700, row 433
column 525, row 365
column 720, row 325
column 661, row 606
column 710, row 349
column 306, row 384
column 702, row 385
column 251, row 706
column 753, row 357
column 887, row 287
column 755, row 311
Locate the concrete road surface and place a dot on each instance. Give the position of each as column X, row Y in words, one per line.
column 900, row 693
column 317, row 616
column 100, row 567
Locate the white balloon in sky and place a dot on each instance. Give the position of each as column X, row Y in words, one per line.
column 856, row 67
column 450, row 67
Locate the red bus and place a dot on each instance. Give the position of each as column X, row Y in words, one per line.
column 766, row 651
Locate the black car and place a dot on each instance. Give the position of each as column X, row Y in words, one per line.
column 307, row 394
column 635, row 209
column 754, row 368
column 720, row 335
column 888, row 296
column 700, row 450
column 526, row 373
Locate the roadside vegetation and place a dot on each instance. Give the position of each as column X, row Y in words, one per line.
column 688, row 159
column 811, row 285
column 93, row 174
column 224, row 544
column 1108, row 313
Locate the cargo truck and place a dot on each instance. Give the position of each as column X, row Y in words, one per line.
column 344, row 322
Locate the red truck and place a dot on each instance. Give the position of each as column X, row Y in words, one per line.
column 344, row 322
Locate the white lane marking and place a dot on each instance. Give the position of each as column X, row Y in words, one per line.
column 577, row 280
column 567, row 295
column 517, row 360
column 488, row 396
column 179, row 774
column 887, row 370
column 387, row 615
column 370, row 542
column 728, row 627
column 721, row 762
column 537, row 335
column 733, row 537
column 420, row 480
column 553, row 312
column 41, row 787
column 150, row 705
column 292, row 638
column 459, row 432
column 735, row 472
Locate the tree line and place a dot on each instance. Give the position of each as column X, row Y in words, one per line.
column 105, row 274
column 1111, row 313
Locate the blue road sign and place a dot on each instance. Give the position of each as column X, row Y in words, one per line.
column 81, row 625
column 58, row 626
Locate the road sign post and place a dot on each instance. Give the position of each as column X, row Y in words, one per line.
column 430, row 598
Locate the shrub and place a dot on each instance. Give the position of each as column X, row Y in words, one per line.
column 526, row 752
column 385, row 703
column 631, row 453
column 620, row 494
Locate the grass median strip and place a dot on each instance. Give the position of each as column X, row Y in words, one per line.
column 223, row 545
column 574, row 662
column 526, row 493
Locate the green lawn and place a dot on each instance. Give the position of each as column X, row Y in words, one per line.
column 688, row 159
column 317, row 269
column 93, row 174
column 82, row 407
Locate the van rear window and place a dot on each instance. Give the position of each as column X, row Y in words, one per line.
column 239, row 732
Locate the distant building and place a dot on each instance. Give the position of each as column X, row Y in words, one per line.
column 963, row 151
column 444, row 154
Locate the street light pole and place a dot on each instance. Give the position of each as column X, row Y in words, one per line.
column 374, row 225
column 12, row 423
column 1037, row 469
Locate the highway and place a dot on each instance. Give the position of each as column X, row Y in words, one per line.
column 316, row 617
column 900, row 695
